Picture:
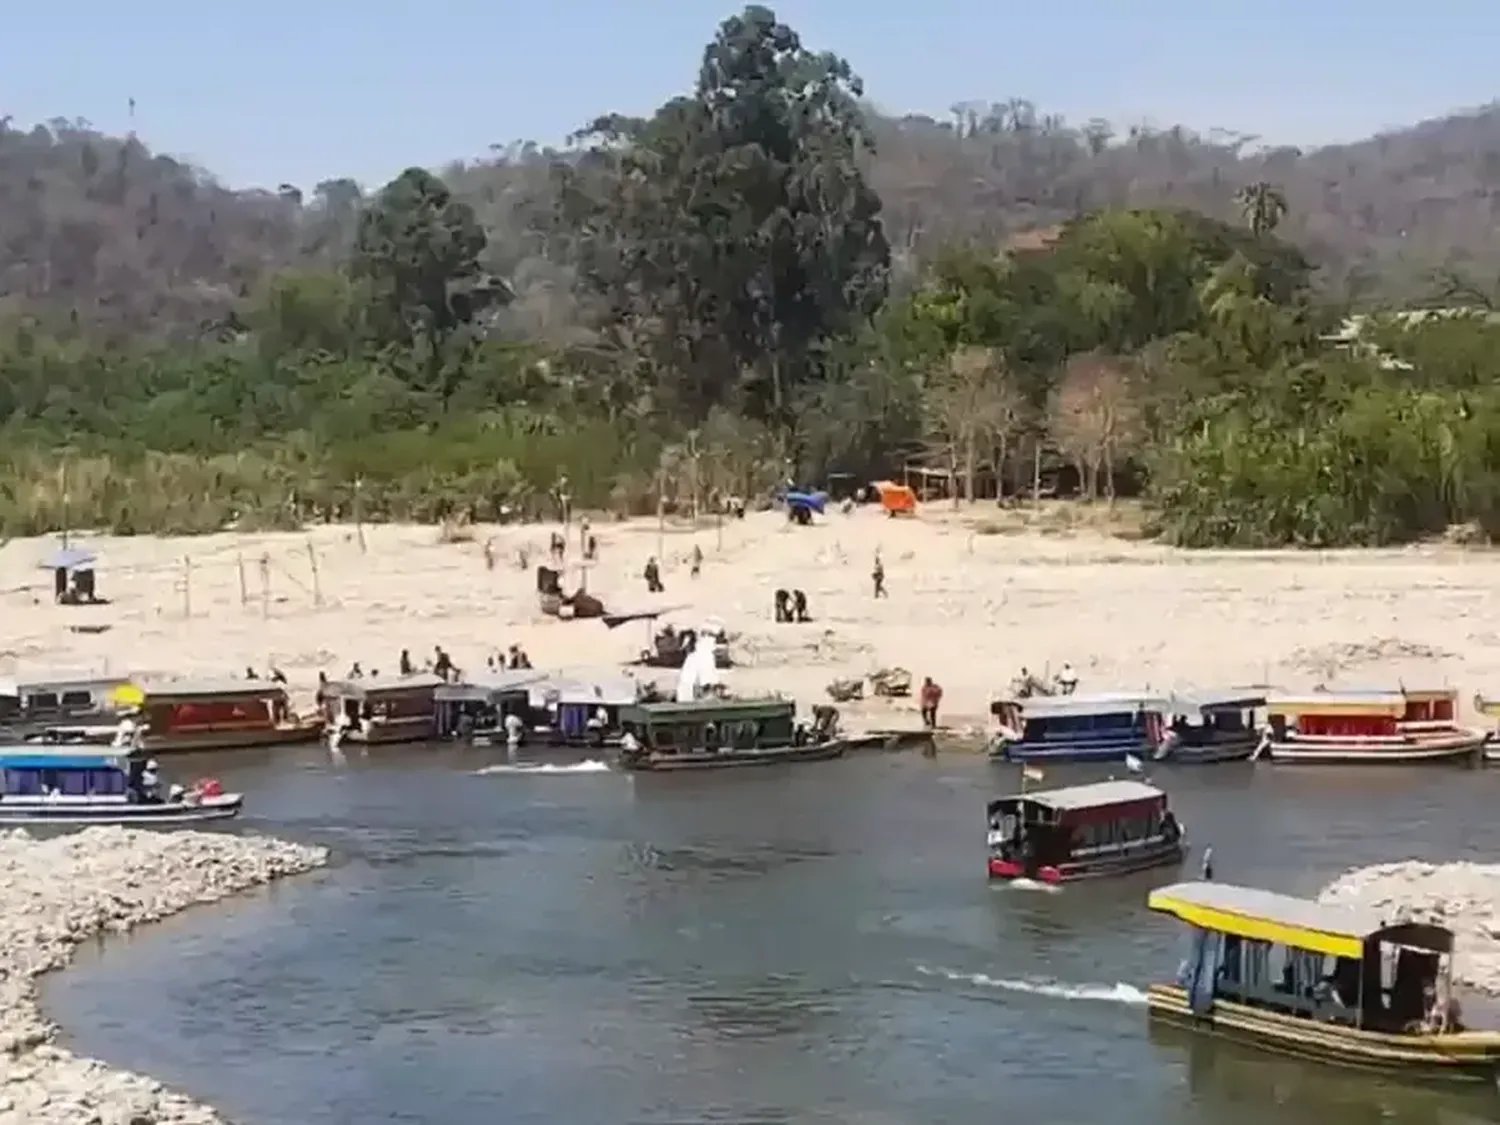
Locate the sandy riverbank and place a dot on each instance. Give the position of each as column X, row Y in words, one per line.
column 967, row 605
column 1465, row 897
column 57, row 893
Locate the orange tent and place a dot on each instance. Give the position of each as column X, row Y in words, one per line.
column 896, row 499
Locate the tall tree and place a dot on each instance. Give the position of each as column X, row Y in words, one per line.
column 1263, row 206
column 743, row 213
column 418, row 252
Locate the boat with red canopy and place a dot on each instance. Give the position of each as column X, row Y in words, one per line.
column 1083, row 832
column 1400, row 726
column 181, row 715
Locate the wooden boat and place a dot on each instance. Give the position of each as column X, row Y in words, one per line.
column 1490, row 709
column 1083, row 832
column 1368, row 727
column 75, row 785
column 186, row 715
column 376, row 711
column 724, row 733
column 1301, row 978
column 1211, row 726
column 475, row 709
column 1097, row 727
column 580, row 712
column 61, row 709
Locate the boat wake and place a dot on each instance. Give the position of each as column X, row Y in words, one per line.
column 1117, row 993
column 590, row 766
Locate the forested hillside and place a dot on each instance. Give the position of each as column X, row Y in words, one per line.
column 762, row 272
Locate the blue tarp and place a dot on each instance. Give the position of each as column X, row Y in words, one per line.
column 69, row 558
column 812, row 501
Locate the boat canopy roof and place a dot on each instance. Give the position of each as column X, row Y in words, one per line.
column 488, row 686
column 616, row 691
column 710, row 711
column 378, row 686
column 29, row 685
column 1335, row 930
column 1097, row 795
column 41, row 756
column 1373, row 701
column 1229, row 699
column 1094, row 703
column 166, row 691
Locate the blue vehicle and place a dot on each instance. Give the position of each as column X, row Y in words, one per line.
column 80, row 784
column 1099, row 727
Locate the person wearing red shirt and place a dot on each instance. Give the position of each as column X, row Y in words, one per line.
column 930, row 698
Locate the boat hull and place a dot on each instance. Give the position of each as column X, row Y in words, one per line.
column 188, row 742
column 75, row 811
column 1454, row 746
column 391, row 734
column 1463, row 1057
column 733, row 759
column 1080, row 750
column 1227, row 750
column 1094, row 867
column 892, row 740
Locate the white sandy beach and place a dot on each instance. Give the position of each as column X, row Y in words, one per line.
column 57, row 893
column 967, row 606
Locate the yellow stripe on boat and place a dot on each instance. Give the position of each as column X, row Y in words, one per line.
column 1257, row 915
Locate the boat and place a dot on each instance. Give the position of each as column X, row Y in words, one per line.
column 582, row 712
column 1490, row 709
column 1211, row 726
column 1097, row 727
column 1400, row 726
column 725, row 733
column 1335, row 984
column 1083, row 832
column 475, row 709
column 376, row 711
column 187, row 715
column 61, row 708
column 80, row 784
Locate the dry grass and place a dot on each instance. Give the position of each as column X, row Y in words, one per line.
column 1124, row 519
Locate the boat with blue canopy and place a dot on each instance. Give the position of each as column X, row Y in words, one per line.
column 1097, row 727
column 81, row 784
column 1211, row 726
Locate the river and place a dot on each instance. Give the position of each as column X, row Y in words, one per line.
column 804, row 944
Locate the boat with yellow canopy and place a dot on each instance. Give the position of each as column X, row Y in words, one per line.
column 1335, row 984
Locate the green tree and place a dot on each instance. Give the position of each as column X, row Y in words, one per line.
column 1262, row 205
column 418, row 253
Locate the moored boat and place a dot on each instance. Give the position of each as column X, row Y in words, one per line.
column 375, row 711
column 724, row 734
column 80, row 784
column 1211, row 726
column 1097, row 727
column 1490, row 709
column 1333, row 984
column 1082, row 832
column 187, row 715
column 1401, row 726
column 60, row 708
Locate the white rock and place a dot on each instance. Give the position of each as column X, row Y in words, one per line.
column 1465, row 897
column 57, row 893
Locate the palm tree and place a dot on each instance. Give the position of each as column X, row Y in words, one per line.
column 1262, row 205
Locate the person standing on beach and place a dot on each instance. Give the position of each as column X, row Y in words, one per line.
column 931, row 698
column 697, row 561
column 878, row 576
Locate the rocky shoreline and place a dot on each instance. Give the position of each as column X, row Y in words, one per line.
column 1465, row 897
column 59, row 892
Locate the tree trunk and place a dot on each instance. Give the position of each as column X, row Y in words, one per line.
column 1109, row 472
column 969, row 470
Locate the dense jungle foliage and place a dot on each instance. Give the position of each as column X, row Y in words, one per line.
column 762, row 279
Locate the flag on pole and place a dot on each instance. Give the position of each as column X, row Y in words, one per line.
column 1031, row 773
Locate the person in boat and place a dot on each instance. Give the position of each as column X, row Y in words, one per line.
column 1171, row 830
column 250, row 674
column 652, row 575
column 442, row 663
column 518, row 658
column 597, row 724
column 356, row 672
column 151, row 783
column 711, row 738
column 322, row 694
column 407, row 667
column 931, row 697
column 630, row 745
column 278, row 676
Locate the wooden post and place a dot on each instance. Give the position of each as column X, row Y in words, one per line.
column 187, row 586
column 265, row 584
column 317, row 585
column 1036, row 473
column 359, row 514
column 239, row 562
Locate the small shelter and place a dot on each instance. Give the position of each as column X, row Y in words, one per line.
column 896, row 499
column 72, row 575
